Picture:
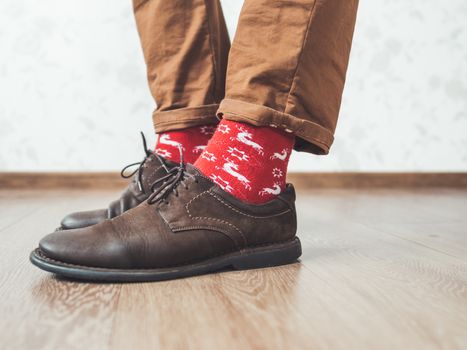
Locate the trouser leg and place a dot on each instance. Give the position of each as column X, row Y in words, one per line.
column 287, row 67
column 185, row 45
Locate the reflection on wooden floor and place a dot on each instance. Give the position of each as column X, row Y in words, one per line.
column 381, row 269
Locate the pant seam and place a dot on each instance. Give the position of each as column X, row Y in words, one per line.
column 192, row 115
column 253, row 117
column 299, row 130
column 300, row 55
column 186, row 119
column 140, row 5
column 213, row 59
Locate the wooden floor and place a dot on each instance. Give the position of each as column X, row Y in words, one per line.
column 381, row 270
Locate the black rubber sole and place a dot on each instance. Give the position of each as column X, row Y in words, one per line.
column 250, row 258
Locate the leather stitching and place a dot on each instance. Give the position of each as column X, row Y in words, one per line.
column 40, row 254
column 151, row 177
column 245, row 214
column 211, row 218
column 206, row 227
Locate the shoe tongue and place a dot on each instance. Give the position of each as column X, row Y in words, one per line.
column 153, row 163
column 153, row 158
column 191, row 169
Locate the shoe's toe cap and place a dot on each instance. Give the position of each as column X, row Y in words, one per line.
column 83, row 219
column 95, row 246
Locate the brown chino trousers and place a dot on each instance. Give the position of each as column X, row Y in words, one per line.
column 286, row 67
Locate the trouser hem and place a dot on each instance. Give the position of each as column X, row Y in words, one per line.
column 184, row 118
column 311, row 137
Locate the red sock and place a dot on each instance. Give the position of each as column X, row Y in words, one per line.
column 249, row 162
column 193, row 141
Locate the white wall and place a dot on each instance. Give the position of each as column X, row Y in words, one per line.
column 73, row 91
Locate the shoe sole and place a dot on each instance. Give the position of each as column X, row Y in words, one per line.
column 249, row 258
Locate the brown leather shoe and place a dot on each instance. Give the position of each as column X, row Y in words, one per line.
column 151, row 168
column 188, row 226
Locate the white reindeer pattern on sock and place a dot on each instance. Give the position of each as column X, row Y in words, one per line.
column 245, row 137
column 223, row 129
column 163, row 153
column 198, row 149
column 239, row 154
column 208, row 156
column 165, row 140
column 276, row 172
column 281, row 156
column 221, row 182
column 275, row 190
column 232, row 169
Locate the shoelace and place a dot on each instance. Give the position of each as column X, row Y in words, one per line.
column 169, row 183
column 138, row 170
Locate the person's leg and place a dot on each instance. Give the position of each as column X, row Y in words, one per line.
column 285, row 76
column 287, row 67
column 285, row 79
column 247, row 161
column 185, row 45
column 190, row 141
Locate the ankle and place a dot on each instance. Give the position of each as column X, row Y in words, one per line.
column 247, row 161
column 191, row 140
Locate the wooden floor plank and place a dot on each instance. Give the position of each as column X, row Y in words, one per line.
column 229, row 310
column 39, row 311
column 400, row 291
column 380, row 270
column 433, row 218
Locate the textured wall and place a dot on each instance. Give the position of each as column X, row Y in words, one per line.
column 73, row 92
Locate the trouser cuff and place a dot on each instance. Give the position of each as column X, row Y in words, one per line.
column 184, row 118
column 311, row 137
